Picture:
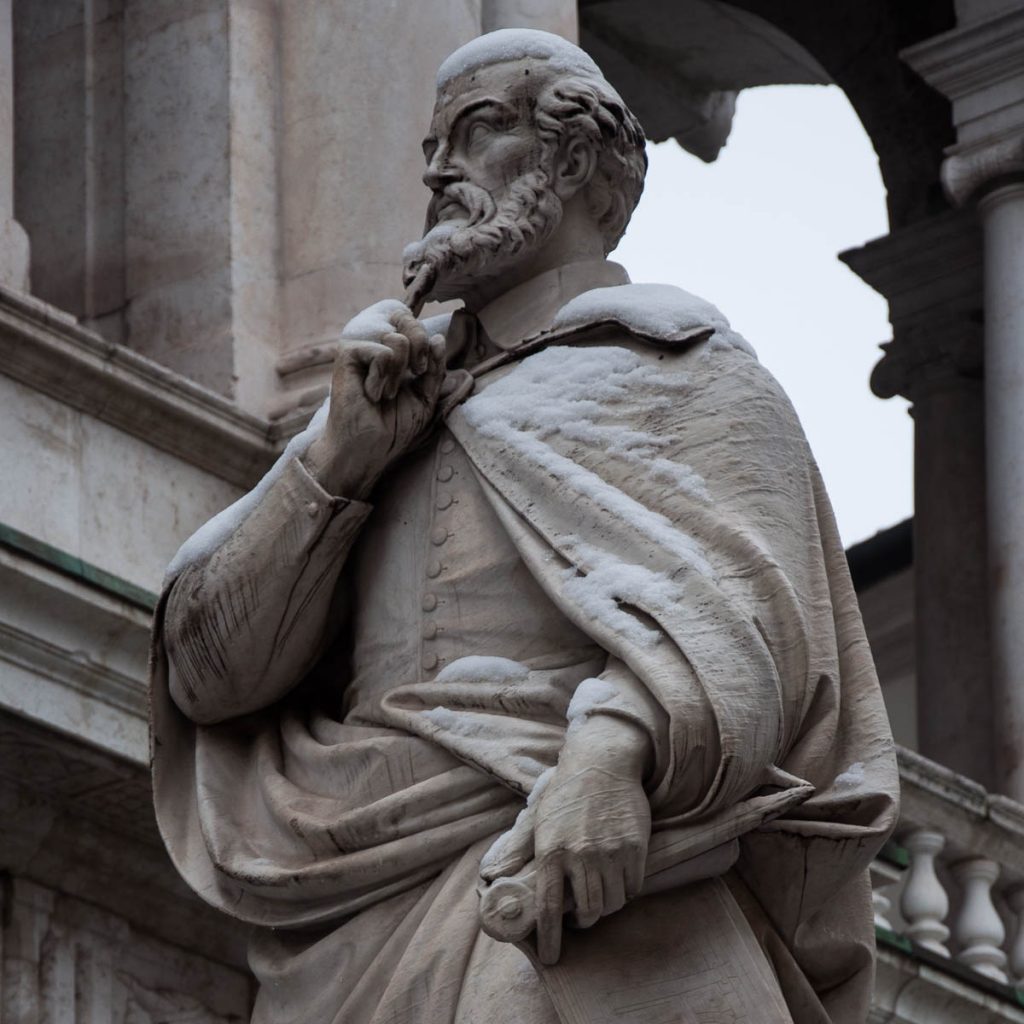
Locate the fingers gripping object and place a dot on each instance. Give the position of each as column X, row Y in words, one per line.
column 508, row 905
column 418, row 289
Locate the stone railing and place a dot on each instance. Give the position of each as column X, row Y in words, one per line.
column 951, row 885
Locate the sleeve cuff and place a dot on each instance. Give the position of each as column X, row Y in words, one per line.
column 318, row 501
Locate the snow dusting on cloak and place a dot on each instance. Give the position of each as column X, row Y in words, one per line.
column 660, row 311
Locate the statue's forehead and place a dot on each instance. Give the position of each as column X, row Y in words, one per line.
column 513, row 81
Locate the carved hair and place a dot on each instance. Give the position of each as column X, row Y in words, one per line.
column 578, row 105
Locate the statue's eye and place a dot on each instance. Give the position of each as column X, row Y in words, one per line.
column 478, row 131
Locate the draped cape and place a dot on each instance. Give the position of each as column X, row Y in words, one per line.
column 657, row 483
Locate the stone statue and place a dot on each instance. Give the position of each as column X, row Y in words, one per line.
column 530, row 684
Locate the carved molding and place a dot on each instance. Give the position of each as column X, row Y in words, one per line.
column 66, row 962
column 931, row 274
column 80, row 821
column 48, row 350
column 909, row 990
column 73, row 656
column 970, row 171
column 971, row 57
column 946, row 352
column 979, row 67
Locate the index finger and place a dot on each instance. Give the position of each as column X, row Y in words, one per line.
column 550, row 893
column 405, row 323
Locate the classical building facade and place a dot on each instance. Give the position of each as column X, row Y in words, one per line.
column 195, row 196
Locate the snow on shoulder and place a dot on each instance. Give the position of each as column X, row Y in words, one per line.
column 659, row 311
column 517, row 44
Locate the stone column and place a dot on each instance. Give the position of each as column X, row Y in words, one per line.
column 1002, row 213
column 979, row 66
column 13, row 240
column 550, row 15
column 931, row 275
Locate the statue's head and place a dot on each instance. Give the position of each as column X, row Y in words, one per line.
column 527, row 139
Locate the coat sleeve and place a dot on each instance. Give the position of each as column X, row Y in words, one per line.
column 245, row 625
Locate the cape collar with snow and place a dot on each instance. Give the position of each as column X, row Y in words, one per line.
column 584, row 300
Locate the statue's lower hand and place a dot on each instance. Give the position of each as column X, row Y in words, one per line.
column 589, row 825
column 384, row 394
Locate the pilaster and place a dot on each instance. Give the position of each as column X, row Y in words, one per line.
column 14, row 250
column 979, row 67
column 931, row 274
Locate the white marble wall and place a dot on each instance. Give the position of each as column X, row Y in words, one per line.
column 220, row 183
column 66, row 962
column 96, row 492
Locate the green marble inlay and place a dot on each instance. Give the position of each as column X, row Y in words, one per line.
column 895, row 854
column 890, row 938
column 71, row 565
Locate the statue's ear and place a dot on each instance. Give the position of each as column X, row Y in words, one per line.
column 574, row 167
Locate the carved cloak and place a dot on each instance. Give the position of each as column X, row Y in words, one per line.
column 683, row 525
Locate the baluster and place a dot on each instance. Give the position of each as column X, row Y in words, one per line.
column 925, row 903
column 1015, row 901
column 883, row 876
column 978, row 928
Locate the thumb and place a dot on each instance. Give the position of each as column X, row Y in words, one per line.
column 511, row 850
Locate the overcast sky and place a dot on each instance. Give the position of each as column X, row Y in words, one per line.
column 757, row 233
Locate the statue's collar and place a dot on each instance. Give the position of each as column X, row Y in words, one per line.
column 530, row 308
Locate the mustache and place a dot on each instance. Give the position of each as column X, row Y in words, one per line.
column 454, row 251
column 476, row 201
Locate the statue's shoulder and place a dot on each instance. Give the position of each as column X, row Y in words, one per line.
column 661, row 314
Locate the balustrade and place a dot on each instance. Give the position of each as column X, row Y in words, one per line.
column 953, row 881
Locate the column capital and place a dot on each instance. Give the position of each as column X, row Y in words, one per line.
column 979, row 68
column 931, row 275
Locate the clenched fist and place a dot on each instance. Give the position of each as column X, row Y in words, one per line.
column 384, row 394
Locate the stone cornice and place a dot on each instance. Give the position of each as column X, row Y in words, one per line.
column 972, row 56
column 932, row 263
column 48, row 350
column 980, row 68
column 931, row 274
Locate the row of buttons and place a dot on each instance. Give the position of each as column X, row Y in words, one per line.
column 438, row 535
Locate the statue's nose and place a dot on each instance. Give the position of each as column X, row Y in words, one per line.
column 439, row 173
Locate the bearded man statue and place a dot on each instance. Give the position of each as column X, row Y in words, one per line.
column 530, row 685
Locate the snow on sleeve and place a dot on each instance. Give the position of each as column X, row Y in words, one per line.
column 588, row 697
column 517, row 44
column 659, row 311
column 368, row 324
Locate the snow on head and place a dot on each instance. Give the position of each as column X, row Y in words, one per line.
column 517, row 44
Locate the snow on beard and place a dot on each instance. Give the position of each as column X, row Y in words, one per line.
column 496, row 234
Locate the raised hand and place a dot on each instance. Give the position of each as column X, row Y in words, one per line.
column 384, row 394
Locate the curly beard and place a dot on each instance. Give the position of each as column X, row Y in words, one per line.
column 457, row 254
